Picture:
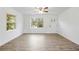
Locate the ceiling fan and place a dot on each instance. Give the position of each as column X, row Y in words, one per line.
column 42, row 9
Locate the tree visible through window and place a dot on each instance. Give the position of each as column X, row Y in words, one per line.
column 11, row 24
column 37, row 23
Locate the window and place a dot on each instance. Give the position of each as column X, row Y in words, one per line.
column 11, row 24
column 37, row 23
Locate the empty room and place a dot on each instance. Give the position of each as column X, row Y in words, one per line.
column 39, row 28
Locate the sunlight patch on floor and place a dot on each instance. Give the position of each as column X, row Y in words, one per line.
column 36, row 41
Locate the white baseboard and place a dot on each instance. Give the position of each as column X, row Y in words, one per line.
column 69, row 38
column 3, row 43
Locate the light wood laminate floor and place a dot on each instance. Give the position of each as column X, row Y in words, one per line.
column 40, row 42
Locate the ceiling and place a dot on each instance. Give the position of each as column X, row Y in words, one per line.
column 51, row 10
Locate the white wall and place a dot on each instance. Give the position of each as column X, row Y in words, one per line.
column 69, row 24
column 47, row 24
column 5, row 35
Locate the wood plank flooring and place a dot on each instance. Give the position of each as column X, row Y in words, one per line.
column 40, row 42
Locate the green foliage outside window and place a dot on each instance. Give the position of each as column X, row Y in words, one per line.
column 37, row 23
column 11, row 24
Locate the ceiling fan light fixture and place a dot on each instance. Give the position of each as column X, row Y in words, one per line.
column 42, row 9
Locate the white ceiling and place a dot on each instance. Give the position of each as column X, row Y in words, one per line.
column 51, row 10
